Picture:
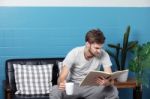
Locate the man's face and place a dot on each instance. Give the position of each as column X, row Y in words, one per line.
column 95, row 48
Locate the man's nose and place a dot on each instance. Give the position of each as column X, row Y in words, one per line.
column 98, row 51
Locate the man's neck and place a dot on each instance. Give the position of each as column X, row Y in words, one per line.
column 87, row 54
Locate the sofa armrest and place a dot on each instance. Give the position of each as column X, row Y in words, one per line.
column 8, row 92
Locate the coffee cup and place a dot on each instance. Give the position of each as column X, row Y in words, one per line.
column 69, row 87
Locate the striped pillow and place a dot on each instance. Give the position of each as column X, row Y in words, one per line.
column 33, row 79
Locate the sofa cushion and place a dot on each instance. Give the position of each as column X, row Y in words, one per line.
column 33, row 79
column 31, row 96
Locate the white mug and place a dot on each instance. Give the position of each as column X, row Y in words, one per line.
column 69, row 86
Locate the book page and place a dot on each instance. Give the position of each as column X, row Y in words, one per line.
column 93, row 75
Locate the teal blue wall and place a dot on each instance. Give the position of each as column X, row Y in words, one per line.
column 53, row 31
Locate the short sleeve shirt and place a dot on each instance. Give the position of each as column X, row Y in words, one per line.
column 79, row 67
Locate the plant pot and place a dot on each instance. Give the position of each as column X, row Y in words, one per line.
column 138, row 92
column 123, row 77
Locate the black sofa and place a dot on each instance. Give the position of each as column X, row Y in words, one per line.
column 9, row 84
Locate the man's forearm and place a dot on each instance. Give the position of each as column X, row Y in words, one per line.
column 60, row 80
column 63, row 75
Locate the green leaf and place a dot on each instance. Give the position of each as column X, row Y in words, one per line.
column 126, row 37
column 132, row 44
column 133, row 66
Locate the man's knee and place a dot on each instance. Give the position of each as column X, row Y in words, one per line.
column 56, row 93
column 55, row 88
column 111, row 92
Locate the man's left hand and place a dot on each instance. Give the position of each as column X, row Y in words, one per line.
column 104, row 81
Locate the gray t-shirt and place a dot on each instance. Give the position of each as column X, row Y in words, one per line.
column 79, row 66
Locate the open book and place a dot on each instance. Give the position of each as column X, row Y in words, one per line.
column 92, row 75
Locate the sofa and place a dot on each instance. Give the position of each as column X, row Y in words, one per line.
column 10, row 85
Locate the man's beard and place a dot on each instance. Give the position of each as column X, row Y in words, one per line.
column 92, row 54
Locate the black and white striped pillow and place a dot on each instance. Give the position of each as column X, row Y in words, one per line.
column 33, row 79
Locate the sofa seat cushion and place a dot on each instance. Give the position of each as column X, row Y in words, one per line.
column 46, row 96
column 33, row 79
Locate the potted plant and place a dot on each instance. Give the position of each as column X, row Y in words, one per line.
column 140, row 65
column 121, row 52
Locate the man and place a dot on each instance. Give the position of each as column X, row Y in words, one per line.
column 79, row 61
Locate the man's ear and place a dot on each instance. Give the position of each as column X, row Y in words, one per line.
column 87, row 44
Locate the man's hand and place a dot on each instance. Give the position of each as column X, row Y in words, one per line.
column 61, row 86
column 104, row 81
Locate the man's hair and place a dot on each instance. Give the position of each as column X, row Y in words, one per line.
column 95, row 36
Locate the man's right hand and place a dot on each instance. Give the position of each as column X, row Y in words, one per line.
column 61, row 86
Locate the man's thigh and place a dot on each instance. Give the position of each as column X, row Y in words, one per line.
column 85, row 91
column 97, row 92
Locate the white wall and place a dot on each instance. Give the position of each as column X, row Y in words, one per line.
column 77, row 3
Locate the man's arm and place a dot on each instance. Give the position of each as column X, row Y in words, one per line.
column 62, row 77
column 107, row 69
